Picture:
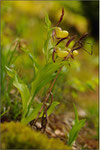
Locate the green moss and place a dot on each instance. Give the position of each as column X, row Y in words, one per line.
column 18, row 136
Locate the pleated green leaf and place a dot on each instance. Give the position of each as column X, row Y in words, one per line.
column 22, row 88
column 76, row 127
column 32, row 114
column 75, row 130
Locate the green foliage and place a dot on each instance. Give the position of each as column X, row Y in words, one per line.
column 38, row 78
column 47, row 43
column 76, row 128
column 91, row 84
column 47, row 21
column 32, row 114
column 76, row 114
column 23, row 89
column 27, row 98
column 78, row 79
column 8, row 57
column 11, row 54
column 42, row 76
column 76, row 7
column 4, row 113
column 19, row 136
column 34, row 111
column 50, row 110
column 74, row 131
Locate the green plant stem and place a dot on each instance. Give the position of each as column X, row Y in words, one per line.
column 48, row 94
column 12, row 54
column 50, row 89
column 52, row 85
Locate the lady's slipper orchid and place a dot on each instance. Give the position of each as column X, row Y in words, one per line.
column 59, row 33
column 75, row 53
column 61, row 53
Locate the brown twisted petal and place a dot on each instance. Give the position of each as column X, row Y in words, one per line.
column 61, row 17
column 68, row 42
column 81, row 38
column 81, row 46
column 61, row 40
column 77, row 47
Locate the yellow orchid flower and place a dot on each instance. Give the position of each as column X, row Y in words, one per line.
column 75, row 53
column 61, row 53
column 61, row 33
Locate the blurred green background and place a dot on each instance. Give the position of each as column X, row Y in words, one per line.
column 79, row 83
